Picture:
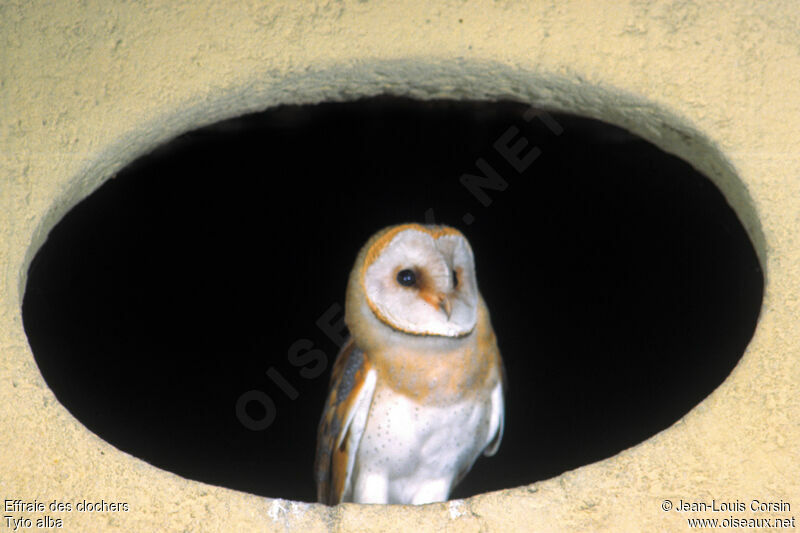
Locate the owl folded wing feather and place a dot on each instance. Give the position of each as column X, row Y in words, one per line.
column 498, row 412
column 343, row 422
column 496, row 422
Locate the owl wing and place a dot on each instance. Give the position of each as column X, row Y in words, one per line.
column 498, row 413
column 343, row 422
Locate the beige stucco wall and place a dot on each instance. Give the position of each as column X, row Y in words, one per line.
column 87, row 86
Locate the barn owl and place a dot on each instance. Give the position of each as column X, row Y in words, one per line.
column 416, row 392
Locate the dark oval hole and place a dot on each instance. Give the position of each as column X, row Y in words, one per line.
column 622, row 286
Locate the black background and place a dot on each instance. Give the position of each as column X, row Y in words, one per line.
column 622, row 287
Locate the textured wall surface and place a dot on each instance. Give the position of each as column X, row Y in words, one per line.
column 85, row 87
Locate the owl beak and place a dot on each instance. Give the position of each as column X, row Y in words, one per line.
column 440, row 300
column 444, row 305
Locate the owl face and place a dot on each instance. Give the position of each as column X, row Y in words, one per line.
column 421, row 280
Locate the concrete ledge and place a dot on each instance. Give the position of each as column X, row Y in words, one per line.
column 86, row 87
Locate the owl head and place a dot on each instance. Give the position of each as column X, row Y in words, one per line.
column 415, row 279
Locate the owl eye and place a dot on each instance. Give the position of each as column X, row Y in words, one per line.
column 406, row 278
column 455, row 278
